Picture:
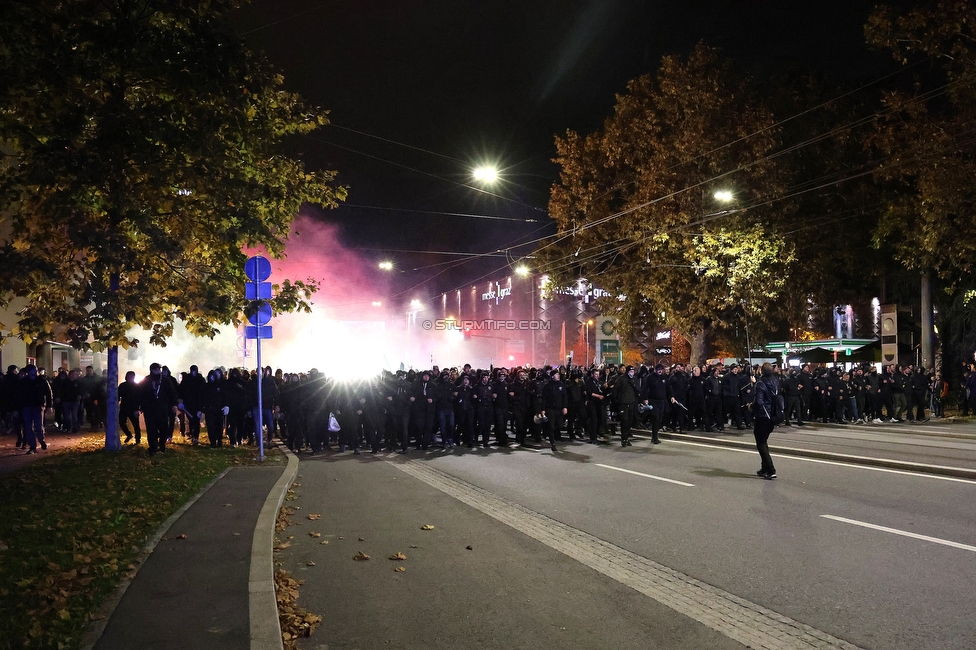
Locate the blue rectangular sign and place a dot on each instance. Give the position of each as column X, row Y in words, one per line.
column 251, row 332
column 257, row 291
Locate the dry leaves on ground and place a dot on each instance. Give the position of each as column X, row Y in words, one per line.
column 400, row 569
column 315, row 534
column 360, row 556
column 426, row 527
column 296, row 622
column 398, row 556
column 314, row 517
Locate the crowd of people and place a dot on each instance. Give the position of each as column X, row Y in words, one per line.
column 464, row 406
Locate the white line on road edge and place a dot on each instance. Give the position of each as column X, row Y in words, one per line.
column 737, row 618
column 921, row 473
column 903, row 533
column 656, row 478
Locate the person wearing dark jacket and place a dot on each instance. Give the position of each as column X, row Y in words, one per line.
column 696, row 399
column 768, row 412
column 555, row 405
column 191, row 390
column 518, row 400
column 713, row 401
column 464, row 412
column 128, row 407
column 625, row 396
column 731, row 404
column 499, row 395
column 158, row 401
column 35, row 398
column 211, row 407
column 422, row 409
column 658, row 395
column 678, row 383
column 446, row 393
column 596, row 408
column 482, row 396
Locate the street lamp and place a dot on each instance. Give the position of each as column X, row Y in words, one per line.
column 522, row 270
column 386, row 266
column 723, row 195
column 586, row 335
column 485, row 174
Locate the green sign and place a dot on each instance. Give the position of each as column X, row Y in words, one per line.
column 610, row 351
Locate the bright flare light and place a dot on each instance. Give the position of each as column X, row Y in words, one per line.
column 415, row 303
column 377, row 303
column 723, row 195
column 522, row 270
column 485, row 174
column 386, row 266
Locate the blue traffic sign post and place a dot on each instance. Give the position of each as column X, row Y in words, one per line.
column 259, row 313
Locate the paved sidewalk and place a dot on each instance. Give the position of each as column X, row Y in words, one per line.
column 196, row 588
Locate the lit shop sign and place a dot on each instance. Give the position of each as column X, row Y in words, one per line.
column 496, row 293
column 581, row 292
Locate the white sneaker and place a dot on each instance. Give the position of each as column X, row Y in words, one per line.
column 877, row 421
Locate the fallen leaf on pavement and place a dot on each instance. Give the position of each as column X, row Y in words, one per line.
column 360, row 556
column 398, row 556
column 227, row 505
column 314, row 517
column 362, row 539
column 400, row 569
column 315, row 534
column 342, row 538
column 310, row 563
column 469, row 547
column 282, row 546
column 426, row 527
column 181, row 536
column 236, row 534
column 414, row 546
column 325, row 541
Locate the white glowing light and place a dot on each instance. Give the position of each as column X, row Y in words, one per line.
column 415, row 303
column 522, row 270
column 723, row 195
column 485, row 174
column 377, row 303
column 386, row 266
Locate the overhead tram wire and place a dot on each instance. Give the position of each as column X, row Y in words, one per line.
column 572, row 259
column 861, row 121
column 441, row 213
column 293, row 16
column 429, row 174
column 400, row 144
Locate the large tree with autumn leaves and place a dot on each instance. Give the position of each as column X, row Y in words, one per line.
column 142, row 144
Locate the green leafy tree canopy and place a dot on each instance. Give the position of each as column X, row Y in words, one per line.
column 143, row 153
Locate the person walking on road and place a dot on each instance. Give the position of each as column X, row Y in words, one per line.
column 768, row 412
column 35, row 400
column 158, row 402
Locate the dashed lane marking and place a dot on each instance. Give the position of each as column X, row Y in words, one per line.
column 737, row 618
column 903, row 533
column 919, row 474
column 656, row 478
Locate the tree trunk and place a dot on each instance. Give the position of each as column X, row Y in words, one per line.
column 112, row 440
column 700, row 341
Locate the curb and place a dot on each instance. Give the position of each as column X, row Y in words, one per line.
column 97, row 628
column 262, row 603
column 887, row 463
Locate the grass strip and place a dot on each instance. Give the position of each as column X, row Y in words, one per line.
column 72, row 524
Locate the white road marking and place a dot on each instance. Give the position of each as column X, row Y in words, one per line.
column 656, row 478
column 748, row 623
column 903, row 533
column 921, row 473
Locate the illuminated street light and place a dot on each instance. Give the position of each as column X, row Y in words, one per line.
column 386, row 266
column 522, row 270
column 723, row 195
column 377, row 303
column 415, row 303
column 485, row 174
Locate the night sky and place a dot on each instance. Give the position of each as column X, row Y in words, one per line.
column 464, row 82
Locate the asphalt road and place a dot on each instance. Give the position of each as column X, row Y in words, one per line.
column 874, row 557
